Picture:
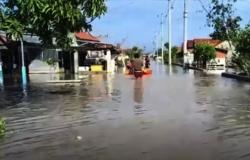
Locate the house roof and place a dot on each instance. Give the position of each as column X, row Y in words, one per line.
column 97, row 46
column 212, row 42
column 86, row 36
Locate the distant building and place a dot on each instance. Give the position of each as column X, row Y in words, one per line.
column 223, row 51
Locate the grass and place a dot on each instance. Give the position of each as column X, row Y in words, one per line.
column 2, row 127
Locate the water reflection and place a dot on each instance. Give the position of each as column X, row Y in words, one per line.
column 156, row 118
column 109, row 78
column 138, row 91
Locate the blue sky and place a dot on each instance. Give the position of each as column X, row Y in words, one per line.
column 135, row 22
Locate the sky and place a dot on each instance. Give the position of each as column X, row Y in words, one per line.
column 137, row 22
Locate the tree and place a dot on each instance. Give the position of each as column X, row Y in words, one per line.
column 174, row 54
column 243, row 41
column 49, row 19
column 158, row 52
column 242, row 59
column 166, row 45
column 135, row 50
column 221, row 17
column 226, row 27
column 204, row 53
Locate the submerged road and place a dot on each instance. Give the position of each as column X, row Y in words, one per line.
column 166, row 116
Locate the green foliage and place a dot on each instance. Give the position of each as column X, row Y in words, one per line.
column 243, row 41
column 13, row 28
column 242, row 59
column 158, row 52
column 221, row 18
column 226, row 27
column 166, row 45
column 174, row 53
column 135, row 50
column 49, row 19
column 204, row 53
column 2, row 127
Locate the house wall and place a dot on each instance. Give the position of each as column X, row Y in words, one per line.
column 190, row 57
column 39, row 65
column 225, row 45
column 220, row 61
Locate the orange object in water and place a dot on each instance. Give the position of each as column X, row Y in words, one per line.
column 147, row 71
column 127, row 72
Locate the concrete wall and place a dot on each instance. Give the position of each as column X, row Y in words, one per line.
column 39, row 64
column 220, row 61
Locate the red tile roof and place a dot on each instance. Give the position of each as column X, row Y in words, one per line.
column 212, row 42
column 86, row 36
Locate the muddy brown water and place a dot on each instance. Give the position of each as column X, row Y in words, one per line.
column 182, row 115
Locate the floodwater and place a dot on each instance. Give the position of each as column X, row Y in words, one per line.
column 166, row 116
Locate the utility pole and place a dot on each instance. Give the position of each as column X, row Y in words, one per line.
column 157, row 46
column 169, row 32
column 185, row 16
column 24, row 74
column 162, row 44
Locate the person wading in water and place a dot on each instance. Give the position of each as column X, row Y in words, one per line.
column 137, row 65
column 147, row 62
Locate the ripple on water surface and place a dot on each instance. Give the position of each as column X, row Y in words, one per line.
column 111, row 117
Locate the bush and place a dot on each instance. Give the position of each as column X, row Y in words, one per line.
column 134, row 51
column 2, row 127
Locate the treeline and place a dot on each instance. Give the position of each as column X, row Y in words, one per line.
column 176, row 54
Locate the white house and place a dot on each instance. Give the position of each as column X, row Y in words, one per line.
column 223, row 51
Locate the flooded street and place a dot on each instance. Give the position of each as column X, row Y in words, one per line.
column 165, row 116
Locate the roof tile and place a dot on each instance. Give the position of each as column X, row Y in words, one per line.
column 86, row 36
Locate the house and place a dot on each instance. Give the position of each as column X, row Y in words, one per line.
column 86, row 50
column 10, row 53
column 91, row 51
column 223, row 51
